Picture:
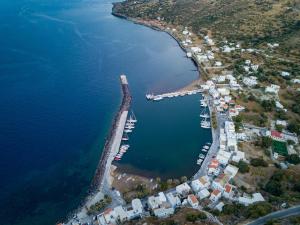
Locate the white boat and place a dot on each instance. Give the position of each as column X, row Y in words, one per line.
column 127, row 131
column 125, row 137
column 132, row 119
column 149, row 96
column 206, row 147
column 204, row 150
column 129, row 127
column 124, row 147
column 158, row 98
column 199, row 161
column 201, row 156
column 205, row 124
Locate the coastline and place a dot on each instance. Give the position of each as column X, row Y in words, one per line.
column 201, row 71
column 97, row 189
column 192, row 85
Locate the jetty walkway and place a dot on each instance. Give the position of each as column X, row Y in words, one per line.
column 113, row 139
column 173, row 94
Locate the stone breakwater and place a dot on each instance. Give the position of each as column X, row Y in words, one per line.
column 102, row 165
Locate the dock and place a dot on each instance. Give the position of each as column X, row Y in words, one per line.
column 173, row 94
column 113, row 140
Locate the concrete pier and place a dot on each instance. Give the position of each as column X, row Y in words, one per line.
column 113, row 140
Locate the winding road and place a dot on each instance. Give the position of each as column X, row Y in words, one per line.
column 293, row 211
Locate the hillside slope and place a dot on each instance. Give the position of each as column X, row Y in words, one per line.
column 252, row 21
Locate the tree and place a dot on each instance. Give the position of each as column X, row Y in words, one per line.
column 243, row 166
column 293, row 159
column 266, row 142
column 268, row 105
column 183, row 179
column 274, row 187
column 294, row 127
column 191, row 217
column 258, row 210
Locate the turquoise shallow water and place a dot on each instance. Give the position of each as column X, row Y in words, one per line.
column 60, row 63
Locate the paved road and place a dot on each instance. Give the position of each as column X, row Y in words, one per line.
column 215, row 144
column 276, row 215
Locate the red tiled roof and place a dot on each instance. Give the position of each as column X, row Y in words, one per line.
column 193, row 198
column 216, row 192
column 276, row 134
column 228, row 188
column 213, row 164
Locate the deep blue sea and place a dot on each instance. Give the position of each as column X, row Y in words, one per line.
column 60, row 63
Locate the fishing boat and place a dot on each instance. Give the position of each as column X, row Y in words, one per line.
column 205, row 123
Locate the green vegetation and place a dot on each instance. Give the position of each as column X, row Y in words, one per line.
column 258, row 162
column 268, row 105
column 214, row 120
column 258, row 210
column 253, row 211
column 243, row 167
column 279, row 147
column 193, row 217
column 97, row 207
column 293, row 158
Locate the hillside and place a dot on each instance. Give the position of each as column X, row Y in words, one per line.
column 254, row 22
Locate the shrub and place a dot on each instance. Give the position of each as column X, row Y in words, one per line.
column 243, row 167
column 258, row 210
column 274, row 187
column 258, row 162
column 293, row 158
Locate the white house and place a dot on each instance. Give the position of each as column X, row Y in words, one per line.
column 204, row 193
column 285, row 74
column 224, row 91
column 250, row 81
column 156, row 201
column 220, row 182
column 196, row 185
column 195, row 49
column 164, row 212
column 231, row 170
column 121, row 214
column 109, row 216
column 223, row 157
column 248, row 200
column 173, row 200
column 237, row 156
column 218, row 63
column 228, row 191
column 219, row 206
column 273, row 89
column 193, row 201
column 281, row 123
column 137, row 206
column 183, row 189
column 213, row 166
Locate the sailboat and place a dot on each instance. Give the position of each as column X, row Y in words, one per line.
column 204, row 113
column 132, row 118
